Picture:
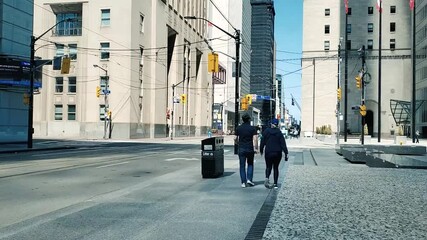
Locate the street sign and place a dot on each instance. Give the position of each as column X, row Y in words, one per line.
column 260, row 97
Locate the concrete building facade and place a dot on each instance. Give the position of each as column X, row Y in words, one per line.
column 324, row 30
column 421, row 66
column 144, row 54
column 16, row 27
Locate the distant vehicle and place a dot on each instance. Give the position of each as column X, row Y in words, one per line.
column 284, row 130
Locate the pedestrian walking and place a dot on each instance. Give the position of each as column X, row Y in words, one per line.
column 275, row 144
column 417, row 136
column 247, row 139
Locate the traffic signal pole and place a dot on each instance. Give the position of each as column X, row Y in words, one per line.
column 363, row 108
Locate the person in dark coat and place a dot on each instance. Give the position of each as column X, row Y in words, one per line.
column 247, row 138
column 274, row 143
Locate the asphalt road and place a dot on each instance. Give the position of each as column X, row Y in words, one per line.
column 124, row 191
column 36, row 183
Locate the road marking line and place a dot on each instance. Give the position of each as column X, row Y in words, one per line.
column 110, row 165
column 186, row 159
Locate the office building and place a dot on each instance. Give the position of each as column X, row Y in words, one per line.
column 324, row 30
column 262, row 73
column 16, row 28
column 138, row 69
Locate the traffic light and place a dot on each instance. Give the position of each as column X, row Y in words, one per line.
column 213, row 62
column 65, row 68
column 362, row 110
column 183, row 98
column 26, row 99
column 293, row 103
column 358, row 82
column 98, row 91
column 249, row 99
column 244, row 104
column 339, row 93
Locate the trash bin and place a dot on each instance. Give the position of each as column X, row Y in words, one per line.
column 212, row 157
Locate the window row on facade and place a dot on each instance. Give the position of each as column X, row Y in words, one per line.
column 369, row 46
column 70, row 23
column 71, row 112
column 370, row 28
column 370, row 11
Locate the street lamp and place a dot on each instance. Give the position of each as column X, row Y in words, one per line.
column 33, row 68
column 105, row 101
column 236, row 38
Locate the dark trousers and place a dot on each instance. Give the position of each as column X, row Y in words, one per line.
column 272, row 160
column 246, row 156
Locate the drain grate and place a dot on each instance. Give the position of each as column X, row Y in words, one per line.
column 258, row 227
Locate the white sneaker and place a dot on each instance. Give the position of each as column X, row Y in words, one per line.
column 251, row 184
column 275, row 186
column 243, row 185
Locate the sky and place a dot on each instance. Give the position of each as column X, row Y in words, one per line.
column 288, row 36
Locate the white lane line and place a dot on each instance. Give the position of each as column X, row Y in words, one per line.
column 110, row 165
column 185, row 159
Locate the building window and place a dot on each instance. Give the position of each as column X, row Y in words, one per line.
column 59, row 50
column 349, row 11
column 73, row 51
column 327, row 29
column 141, row 23
column 59, row 84
column 327, row 12
column 392, row 27
column 58, row 112
column 392, row 9
column 69, row 28
column 392, row 44
column 101, row 112
column 105, row 17
column 103, row 83
column 370, row 27
column 348, row 45
column 327, row 45
column 370, row 44
column 72, row 82
column 105, row 51
column 71, row 112
column 370, row 10
column 348, row 28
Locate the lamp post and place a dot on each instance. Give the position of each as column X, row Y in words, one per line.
column 236, row 38
column 33, row 67
column 105, row 100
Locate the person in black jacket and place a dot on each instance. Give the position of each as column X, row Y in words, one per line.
column 247, row 138
column 275, row 144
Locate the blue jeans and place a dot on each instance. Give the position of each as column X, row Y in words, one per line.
column 246, row 156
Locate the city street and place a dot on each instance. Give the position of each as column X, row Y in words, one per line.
column 123, row 191
column 153, row 189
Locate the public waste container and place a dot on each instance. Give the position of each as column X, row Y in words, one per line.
column 212, row 157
